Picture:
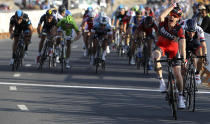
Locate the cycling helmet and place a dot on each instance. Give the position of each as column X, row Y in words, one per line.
column 141, row 7
column 90, row 8
column 191, row 25
column 136, row 8
column 61, row 9
column 19, row 14
column 49, row 12
column 138, row 13
column 147, row 8
column 177, row 11
column 121, row 7
column 103, row 21
column 68, row 13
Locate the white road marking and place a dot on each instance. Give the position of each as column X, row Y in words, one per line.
column 28, row 65
column 23, row 107
column 17, row 75
column 75, row 46
column 89, row 87
column 13, row 88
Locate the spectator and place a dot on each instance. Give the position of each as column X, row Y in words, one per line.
column 205, row 25
column 45, row 5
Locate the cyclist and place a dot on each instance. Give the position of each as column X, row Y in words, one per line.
column 101, row 29
column 171, row 40
column 87, row 25
column 133, row 24
column 19, row 23
column 89, row 9
column 61, row 13
column 147, row 26
column 97, row 20
column 195, row 42
column 67, row 24
column 48, row 28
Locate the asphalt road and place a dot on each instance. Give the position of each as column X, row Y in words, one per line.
column 120, row 95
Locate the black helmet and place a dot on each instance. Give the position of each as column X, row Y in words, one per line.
column 19, row 14
column 61, row 9
column 191, row 25
column 49, row 12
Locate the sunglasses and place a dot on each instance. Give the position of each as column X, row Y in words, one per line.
column 174, row 15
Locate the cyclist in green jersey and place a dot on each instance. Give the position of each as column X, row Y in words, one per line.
column 67, row 24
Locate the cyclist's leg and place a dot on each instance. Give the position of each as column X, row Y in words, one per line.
column 41, row 43
column 198, row 64
column 157, row 54
column 149, row 44
column 68, row 52
column 104, row 47
column 179, row 83
column 14, row 47
column 27, row 39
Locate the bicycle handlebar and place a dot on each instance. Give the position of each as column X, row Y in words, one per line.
column 169, row 59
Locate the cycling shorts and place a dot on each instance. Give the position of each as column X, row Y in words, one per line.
column 193, row 46
column 173, row 54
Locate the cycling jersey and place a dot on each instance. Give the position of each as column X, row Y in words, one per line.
column 97, row 19
column 166, row 39
column 24, row 25
column 67, row 27
column 47, row 25
column 99, row 31
column 85, row 14
column 126, row 19
column 120, row 17
column 89, row 22
column 147, row 30
column 192, row 44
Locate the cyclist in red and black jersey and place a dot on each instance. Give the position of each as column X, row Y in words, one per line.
column 147, row 26
column 19, row 23
column 87, row 25
column 171, row 41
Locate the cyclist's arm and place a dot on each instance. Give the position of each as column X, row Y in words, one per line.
column 31, row 29
column 202, row 40
column 165, row 13
column 182, row 43
column 125, row 27
column 11, row 26
column 117, row 23
column 39, row 28
column 76, row 28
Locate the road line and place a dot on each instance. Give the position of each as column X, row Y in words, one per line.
column 13, row 88
column 23, row 107
column 74, row 46
column 27, row 65
column 17, row 75
column 88, row 87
